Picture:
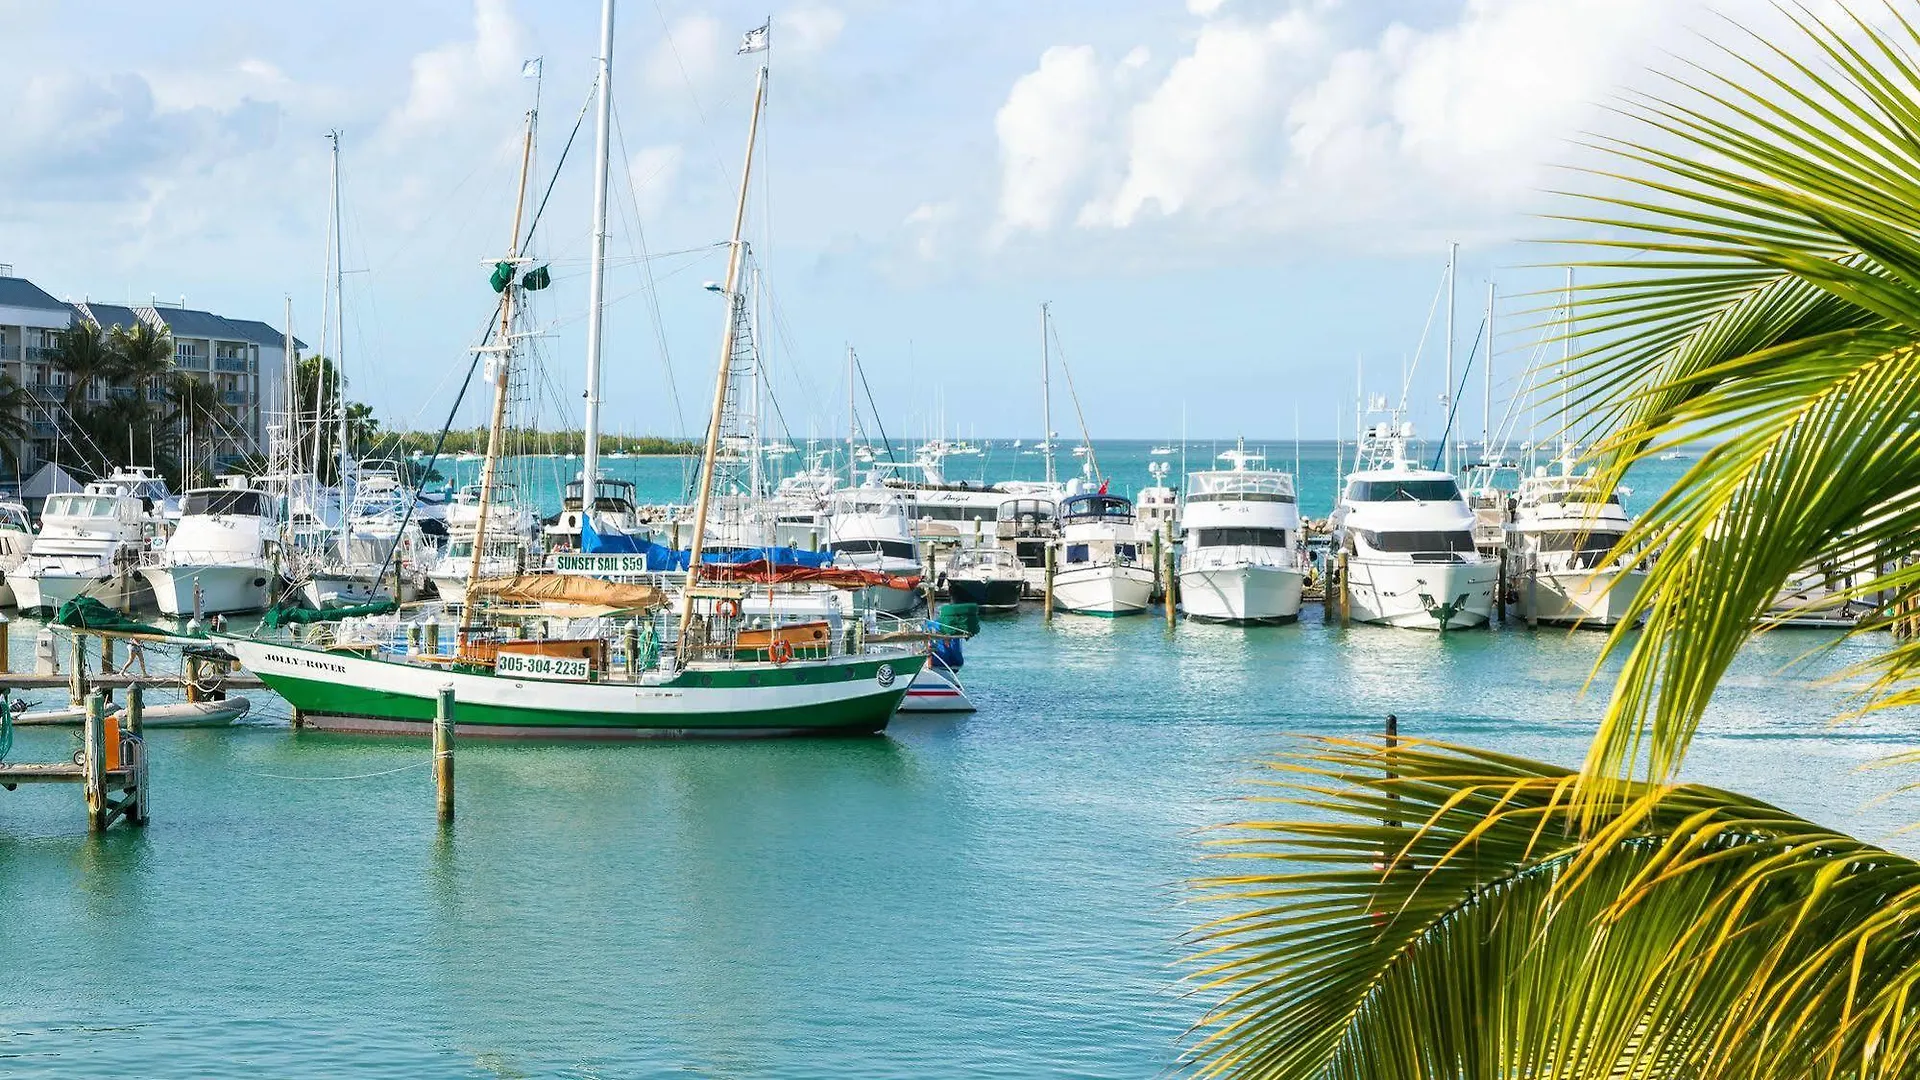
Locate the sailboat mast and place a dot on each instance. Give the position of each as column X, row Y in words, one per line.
column 291, row 376
column 340, row 352
column 1566, row 363
column 726, row 359
column 1046, row 395
column 852, row 420
column 503, row 348
column 326, row 305
column 759, row 389
column 1446, row 397
column 597, row 266
column 1486, row 414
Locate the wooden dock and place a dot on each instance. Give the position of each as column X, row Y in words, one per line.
column 111, row 767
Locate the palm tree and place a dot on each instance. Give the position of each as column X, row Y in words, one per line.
column 15, row 427
column 1758, row 268
column 84, row 354
column 141, row 355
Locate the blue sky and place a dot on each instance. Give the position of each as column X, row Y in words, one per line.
column 1226, row 201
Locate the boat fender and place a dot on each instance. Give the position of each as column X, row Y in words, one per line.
column 782, row 650
column 728, row 609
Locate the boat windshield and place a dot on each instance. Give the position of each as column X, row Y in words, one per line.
column 1274, row 538
column 225, row 501
column 1096, row 508
column 1422, row 541
column 1444, row 490
column 80, row 506
column 1588, row 542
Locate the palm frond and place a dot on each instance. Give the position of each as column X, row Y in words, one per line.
column 1426, row 911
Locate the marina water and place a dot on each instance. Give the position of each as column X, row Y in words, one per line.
column 987, row 895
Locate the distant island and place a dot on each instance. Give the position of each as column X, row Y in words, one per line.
column 474, row 441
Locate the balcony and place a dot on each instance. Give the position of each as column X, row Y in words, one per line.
column 47, row 390
column 124, row 393
column 41, row 353
column 9, row 352
column 230, row 363
column 234, row 397
column 44, row 429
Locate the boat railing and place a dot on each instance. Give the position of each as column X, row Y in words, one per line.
column 1227, row 556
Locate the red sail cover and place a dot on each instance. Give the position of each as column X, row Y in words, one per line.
column 764, row 573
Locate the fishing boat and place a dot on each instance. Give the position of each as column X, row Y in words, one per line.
column 16, row 542
column 1407, row 536
column 868, row 529
column 1560, row 542
column 1098, row 568
column 1241, row 560
column 566, row 655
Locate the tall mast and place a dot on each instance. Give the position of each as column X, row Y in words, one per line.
column 726, row 359
column 597, row 266
column 291, row 376
column 1566, row 364
column 1046, row 395
column 339, row 353
column 1446, row 396
column 759, row 389
column 1486, row 415
column 853, row 421
column 503, row 348
column 326, row 305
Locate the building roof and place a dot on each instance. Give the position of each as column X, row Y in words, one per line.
column 108, row 316
column 263, row 335
column 21, row 293
column 186, row 322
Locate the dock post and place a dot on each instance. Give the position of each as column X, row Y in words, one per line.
column 1393, row 742
column 6, row 663
column 1533, row 597
column 77, row 676
column 106, row 655
column 1500, row 589
column 1338, row 592
column 1046, row 593
column 443, row 754
column 136, row 760
column 192, row 674
column 93, row 761
column 1169, row 594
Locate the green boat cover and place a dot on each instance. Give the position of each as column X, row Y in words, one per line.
column 86, row 613
column 296, row 616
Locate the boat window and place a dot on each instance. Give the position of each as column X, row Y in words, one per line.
column 1420, row 541
column 1096, row 508
column 1240, row 496
column 1276, row 538
column 1129, row 552
column 1077, row 553
column 243, row 503
column 1587, row 543
column 1403, row 490
column 899, row 549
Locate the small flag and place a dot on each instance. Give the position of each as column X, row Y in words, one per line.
column 531, row 69
column 755, row 41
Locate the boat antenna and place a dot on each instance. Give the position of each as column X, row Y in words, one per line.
column 721, row 377
column 1046, row 396
column 1446, row 402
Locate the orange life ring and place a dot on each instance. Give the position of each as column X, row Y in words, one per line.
column 782, row 650
column 728, row 609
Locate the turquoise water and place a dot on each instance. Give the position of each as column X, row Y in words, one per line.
column 986, row 895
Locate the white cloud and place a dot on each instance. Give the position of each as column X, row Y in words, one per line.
column 808, row 29
column 445, row 79
column 1052, row 132
column 689, row 55
column 1317, row 120
column 930, row 222
column 653, row 171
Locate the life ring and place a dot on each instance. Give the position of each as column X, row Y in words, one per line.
column 782, row 650
column 728, row 609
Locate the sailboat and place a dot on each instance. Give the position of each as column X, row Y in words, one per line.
column 614, row 665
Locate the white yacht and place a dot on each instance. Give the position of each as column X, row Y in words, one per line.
column 990, row 577
column 1407, row 535
column 223, row 556
column 1099, row 568
column 1157, row 507
column 90, row 543
column 1242, row 559
column 360, row 564
column 1560, row 537
column 868, row 529
column 615, row 510
column 511, row 528
column 16, row 543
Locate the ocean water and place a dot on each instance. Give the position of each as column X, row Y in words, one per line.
column 997, row 894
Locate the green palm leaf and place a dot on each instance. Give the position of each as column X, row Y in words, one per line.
column 1698, row 934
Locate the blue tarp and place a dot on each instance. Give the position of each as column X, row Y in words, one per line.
column 661, row 558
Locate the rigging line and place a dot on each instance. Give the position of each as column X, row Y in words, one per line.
column 1453, row 397
column 557, row 165
column 1438, row 291
column 393, row 552
column 651, row 286
column 879, row 423
column 1086, row 437
column 706, row 127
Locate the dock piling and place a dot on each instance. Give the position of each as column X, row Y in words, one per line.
column 93, row 760
column 1170, row 590
column 134, row 759
column 1046, row 595
column 1339, row 594
column 443, row 754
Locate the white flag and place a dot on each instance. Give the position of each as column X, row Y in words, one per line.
column 755, row 41
column 531, row 69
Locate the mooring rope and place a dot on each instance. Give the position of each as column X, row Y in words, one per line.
column 361, row 776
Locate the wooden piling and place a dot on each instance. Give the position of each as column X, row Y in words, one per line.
column 1046, row 595
column 443, row 754
column 1339, row 590
column 134, row 760
column 77, row 672
column 1171, row 590
column 6, row 663
column 191, row 665
column 93, row 760
column 1500, row 589
column 1533, row 596
column 1393, row 742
